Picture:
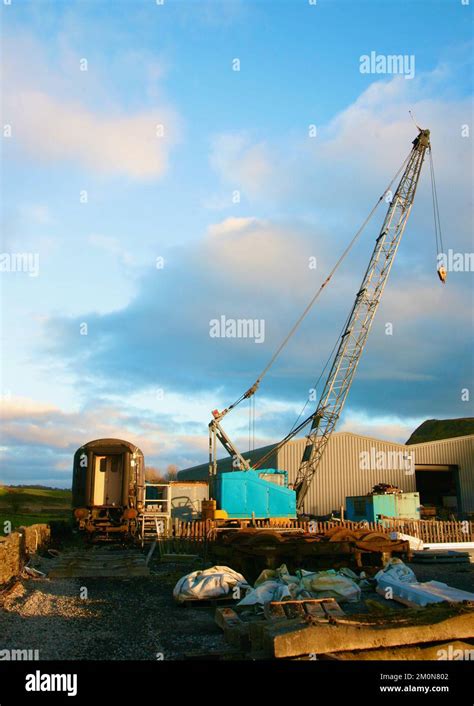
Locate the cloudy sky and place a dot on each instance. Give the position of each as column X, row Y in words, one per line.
column 168, row 163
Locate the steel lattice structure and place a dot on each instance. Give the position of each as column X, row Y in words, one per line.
column 360, row 320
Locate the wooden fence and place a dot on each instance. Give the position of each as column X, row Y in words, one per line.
column 434, row 531
column 430, row 531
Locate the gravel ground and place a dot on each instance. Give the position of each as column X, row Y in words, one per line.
column 133, row 618
column 136, row 618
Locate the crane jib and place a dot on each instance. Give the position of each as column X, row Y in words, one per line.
column 358, row 325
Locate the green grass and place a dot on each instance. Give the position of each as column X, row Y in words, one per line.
column 28, row 506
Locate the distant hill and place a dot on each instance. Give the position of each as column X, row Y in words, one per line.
column 436, row 429
column 28, row 504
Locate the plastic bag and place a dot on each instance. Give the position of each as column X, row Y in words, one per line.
column 395, row 569
column 264, row 593
column 329, row 584
column 211, row 583
column 280, row 574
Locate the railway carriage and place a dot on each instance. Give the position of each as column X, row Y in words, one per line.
column 108, row 488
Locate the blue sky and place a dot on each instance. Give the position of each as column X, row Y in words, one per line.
column 147, row 370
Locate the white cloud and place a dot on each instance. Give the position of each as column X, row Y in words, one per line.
column 26, row 422
column 23, row 408
column 240, row 163
column 50, row 120
column 385, row 428
column 51, row 129
column 348, row 164
column 231, row 225
column 261, row 252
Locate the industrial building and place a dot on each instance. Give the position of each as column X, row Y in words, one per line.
column 441, row 471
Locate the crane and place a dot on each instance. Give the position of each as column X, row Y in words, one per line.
column 354, row 336
column 357, row 328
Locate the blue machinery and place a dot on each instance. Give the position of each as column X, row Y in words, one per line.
column 244, row 494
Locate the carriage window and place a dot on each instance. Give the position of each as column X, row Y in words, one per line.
column 103, row 464
column 115, row 463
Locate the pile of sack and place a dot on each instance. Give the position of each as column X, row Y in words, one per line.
column 271, row 585
column 279, row 584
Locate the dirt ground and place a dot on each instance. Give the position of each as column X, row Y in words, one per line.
column 134, row 618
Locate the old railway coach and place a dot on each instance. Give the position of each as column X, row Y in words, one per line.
column 108, row 488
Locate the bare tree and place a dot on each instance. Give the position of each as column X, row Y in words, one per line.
column 171, row 472
column 154, row 475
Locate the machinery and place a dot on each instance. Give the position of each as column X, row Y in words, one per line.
column 245, row 497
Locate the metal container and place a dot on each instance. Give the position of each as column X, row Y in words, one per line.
column 187, row 498
column 408, row 506
column 370, row 508
column 243, row 494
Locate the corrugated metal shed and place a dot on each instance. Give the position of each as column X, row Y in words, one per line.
column 456, row 451
column 342, row 470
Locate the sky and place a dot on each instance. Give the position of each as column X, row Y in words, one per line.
column 166, row 164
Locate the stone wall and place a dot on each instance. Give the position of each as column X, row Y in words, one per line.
column 17, row 547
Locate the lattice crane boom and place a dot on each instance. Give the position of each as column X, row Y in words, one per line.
column 355, row 333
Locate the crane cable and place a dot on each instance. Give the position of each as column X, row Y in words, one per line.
column 437, row 222
column 296, row 429
column 251, row 391
column 251, row 423
column 439, row 249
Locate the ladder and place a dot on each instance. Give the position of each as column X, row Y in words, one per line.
column 153, row 525
column 155, row 517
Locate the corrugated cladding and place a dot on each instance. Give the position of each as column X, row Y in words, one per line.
column 457, row 451
column 341, row 473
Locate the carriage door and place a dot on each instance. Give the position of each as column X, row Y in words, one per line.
column 108, row 472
